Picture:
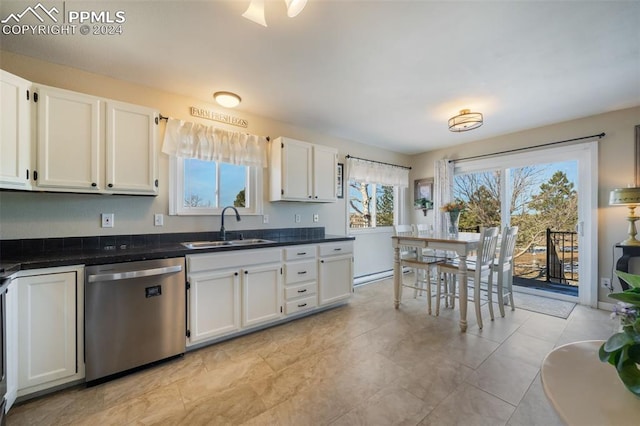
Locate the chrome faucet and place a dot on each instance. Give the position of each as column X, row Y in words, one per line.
column 223, row 233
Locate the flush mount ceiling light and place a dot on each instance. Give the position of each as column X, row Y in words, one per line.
column 227, row 99
column 255, row 11
column 467, row 120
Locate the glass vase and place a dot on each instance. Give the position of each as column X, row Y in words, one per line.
column 454, row 219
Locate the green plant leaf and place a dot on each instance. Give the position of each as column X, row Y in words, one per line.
column 603, row 354
column 617, row 342
column 632, row 279
column 634, row 353
column 628, row 296
column 630, row 376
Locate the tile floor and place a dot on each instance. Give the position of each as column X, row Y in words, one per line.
column 363, row 363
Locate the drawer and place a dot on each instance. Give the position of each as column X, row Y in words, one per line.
column 330, row 249
column 298, row 272
column 299, row 252
column 301, row 304
column 301, row 290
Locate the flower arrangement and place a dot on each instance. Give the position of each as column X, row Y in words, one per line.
column 622, row 350
column 454, row 206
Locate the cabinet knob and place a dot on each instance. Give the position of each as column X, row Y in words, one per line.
column 110, row 185
column 316, row 196
column 310, row 196
column 246, row 272
column 236, row 274
column 93, row 184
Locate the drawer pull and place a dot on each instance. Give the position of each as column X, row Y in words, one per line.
column 302, row 272
column 302, row 306
column 301, row 253
column 337, row 249
column 302, row 291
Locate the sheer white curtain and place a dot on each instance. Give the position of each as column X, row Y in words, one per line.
column 192, row 140
column 372, row 172
column 443, row 190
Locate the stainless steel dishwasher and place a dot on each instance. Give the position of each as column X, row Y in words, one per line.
column 135, row 314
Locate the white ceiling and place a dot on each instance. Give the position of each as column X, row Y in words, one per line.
column 384, row 73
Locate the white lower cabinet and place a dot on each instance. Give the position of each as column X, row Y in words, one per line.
column 12, row 343
column 261, row 290
column 214, row 304
column 50, row 328
column 335, row 272
column 230, row 291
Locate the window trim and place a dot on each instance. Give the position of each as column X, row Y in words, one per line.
column 254, row 193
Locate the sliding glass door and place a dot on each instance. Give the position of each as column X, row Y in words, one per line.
column 550, row 195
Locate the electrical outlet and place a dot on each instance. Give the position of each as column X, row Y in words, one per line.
column 606, row 283
column 158, row 219
column 316, row 218
column 297, row 218
column 107, row 220
column 265, row 218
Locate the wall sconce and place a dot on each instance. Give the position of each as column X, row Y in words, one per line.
column 629, row 197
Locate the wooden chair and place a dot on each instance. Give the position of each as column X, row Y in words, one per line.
column 476, row 272
column 503, row 268
column 421, row 264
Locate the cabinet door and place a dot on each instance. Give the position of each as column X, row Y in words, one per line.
column 12, row 343
column 69, row 139
column 214, row 304
column 297, row 164
column 335, row 276
column 261, row 294
column 47, row 315
column 325, row 169
column 15, row 132
column 131, row 166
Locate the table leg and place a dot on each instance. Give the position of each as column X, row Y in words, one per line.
column 397, row 276
column 463, row 292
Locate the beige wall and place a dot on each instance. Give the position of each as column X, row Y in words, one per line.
column 615, row 168
column 34, row 214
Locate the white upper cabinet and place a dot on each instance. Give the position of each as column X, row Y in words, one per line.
column 89, row 144
column 301, row 171
column 69, row 141
column 131, row 160
column 15, row 132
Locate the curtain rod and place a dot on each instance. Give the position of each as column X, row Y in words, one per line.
column 599, row 136
column 378, row 162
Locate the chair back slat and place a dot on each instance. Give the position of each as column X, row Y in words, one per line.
column 487, row 248
column 508, row 245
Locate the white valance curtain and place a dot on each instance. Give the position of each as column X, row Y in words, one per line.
column 208, row 143
column 374, row 172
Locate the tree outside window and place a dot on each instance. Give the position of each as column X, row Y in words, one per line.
column 370, row 205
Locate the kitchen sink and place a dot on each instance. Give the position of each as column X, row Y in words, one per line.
column 215, row 244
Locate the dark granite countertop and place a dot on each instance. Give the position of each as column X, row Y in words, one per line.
column 45, row 253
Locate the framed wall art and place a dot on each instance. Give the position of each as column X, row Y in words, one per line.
column 638, row 156
column 340, row 181
column 423, row 194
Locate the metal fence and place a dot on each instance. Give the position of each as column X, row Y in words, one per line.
column 562, row 256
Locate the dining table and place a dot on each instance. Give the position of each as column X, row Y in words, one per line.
column 461, row 245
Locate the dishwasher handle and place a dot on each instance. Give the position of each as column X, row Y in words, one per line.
column 134, row 274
